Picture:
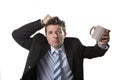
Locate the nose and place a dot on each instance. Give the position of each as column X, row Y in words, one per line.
column 55, row 35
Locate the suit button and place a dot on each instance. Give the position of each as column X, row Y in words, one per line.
column 29, row 67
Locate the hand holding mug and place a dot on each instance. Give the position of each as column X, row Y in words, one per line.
column 105, row 38
column 100, row 34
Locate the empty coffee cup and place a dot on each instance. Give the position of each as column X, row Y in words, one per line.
column 97, row 33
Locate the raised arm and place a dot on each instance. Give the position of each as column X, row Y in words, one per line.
column 23, row 34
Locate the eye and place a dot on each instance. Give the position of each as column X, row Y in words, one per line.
column 59, row 31
column 50, row 32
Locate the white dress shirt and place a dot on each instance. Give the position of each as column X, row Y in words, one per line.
column 45, row 67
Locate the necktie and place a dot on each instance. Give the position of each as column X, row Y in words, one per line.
column 57, row 67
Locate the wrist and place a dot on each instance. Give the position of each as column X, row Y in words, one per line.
column 42, row 23
column 102, row 45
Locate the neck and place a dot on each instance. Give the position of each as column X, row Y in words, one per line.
column 57, row 47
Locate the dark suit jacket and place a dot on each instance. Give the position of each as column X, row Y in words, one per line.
column 38, row 46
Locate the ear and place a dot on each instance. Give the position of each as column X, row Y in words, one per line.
column 65, row 33
column 45, row 33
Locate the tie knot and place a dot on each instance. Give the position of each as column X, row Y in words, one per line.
column 57, row 52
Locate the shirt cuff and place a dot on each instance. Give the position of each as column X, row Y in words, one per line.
column 103, row 46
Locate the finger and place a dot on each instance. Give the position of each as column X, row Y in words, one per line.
column 105, row 41
column 102, row 42
column 105, row 34
column 105, row 37
column 107, row 31
column 46, row 19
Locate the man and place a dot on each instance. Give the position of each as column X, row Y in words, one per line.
column 55, row 49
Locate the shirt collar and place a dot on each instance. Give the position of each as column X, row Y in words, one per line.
column 53, row 49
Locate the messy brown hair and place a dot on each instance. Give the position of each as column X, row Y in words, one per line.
column 56, row 21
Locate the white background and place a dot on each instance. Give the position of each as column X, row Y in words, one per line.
column 79, row 15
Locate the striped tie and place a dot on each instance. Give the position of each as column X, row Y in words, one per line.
column 57, row 67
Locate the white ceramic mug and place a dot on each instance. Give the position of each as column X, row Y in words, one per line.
column 98, row 31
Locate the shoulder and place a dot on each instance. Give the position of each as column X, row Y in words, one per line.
column 72, row 40
column 39, row 37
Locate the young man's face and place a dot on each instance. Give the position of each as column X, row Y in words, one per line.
column 55, row 35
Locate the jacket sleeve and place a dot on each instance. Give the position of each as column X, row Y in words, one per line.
column 90, row 51
column 23, row 34
column 93, row 51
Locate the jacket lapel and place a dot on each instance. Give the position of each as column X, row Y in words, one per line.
column 69, row 54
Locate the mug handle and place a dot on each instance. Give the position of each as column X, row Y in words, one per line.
column 92, row 29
